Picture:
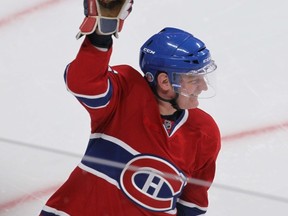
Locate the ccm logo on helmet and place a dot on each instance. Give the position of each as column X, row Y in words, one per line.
column 149, row 51
column 152, row 182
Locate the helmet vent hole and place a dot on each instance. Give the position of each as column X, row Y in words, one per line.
column 150, row 42
column 192, row 62
column 203, row 48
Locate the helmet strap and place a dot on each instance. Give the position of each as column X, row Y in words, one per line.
column 172, row 101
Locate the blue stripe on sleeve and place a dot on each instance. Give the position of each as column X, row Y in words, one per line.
column 92, row 101
column 44, row 213
column 183, row 210
column 97, row 101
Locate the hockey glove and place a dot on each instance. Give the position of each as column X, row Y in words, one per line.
column 106, row 15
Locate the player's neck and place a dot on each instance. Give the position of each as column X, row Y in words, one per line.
column 165, row 108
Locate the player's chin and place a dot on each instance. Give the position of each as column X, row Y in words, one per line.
column 193, row 104
column 189, row 103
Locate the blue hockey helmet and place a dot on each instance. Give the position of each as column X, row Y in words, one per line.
column 174, row 51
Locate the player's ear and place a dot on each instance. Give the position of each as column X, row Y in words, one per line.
column 163, row 81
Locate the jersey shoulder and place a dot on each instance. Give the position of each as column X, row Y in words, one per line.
column 202, row 120
column 132, row 82
column 128, row 73
column 207, row 129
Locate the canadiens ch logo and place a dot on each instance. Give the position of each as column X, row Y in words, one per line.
column 152, row 182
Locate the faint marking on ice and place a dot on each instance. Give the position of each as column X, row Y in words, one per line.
column 27, row 11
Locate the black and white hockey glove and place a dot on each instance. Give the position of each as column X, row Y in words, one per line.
column 106, row 15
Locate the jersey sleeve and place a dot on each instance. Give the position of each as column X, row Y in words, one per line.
column 88, row 78
column 194, row 199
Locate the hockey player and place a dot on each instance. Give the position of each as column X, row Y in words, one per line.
column 151, row 150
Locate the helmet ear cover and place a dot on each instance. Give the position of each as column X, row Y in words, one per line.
column 153, row 80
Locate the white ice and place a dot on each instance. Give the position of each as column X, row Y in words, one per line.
column 247, row 39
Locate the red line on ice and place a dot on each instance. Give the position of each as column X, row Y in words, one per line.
column 255, row 132
column 27, row 11
column 27, row 197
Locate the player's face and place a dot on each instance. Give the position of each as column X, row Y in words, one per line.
column 191, row 88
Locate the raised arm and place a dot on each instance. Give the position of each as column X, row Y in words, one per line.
column 88, row 77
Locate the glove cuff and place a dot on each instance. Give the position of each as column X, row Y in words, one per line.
column 100, row 41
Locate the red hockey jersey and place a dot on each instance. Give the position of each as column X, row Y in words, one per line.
column 133, row 165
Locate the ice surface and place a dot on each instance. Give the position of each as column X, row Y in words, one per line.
column 248, row 40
